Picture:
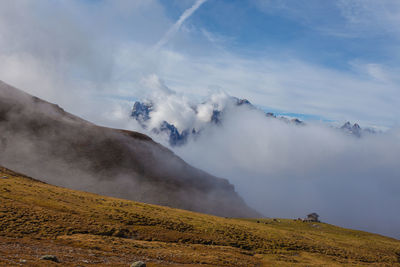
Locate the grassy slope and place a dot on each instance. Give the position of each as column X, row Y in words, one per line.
column 83, row 228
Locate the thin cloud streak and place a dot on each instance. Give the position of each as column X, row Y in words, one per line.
column 175, row 28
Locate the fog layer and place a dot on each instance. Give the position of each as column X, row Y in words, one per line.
column 288, row 170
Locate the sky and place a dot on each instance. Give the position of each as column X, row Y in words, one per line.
column 335, row 60
column 330, row 61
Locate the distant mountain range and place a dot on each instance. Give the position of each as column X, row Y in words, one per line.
column 356, row 130
column 142, row 113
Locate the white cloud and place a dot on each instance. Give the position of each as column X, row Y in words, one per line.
column 340, row 18
column 57, row 51
column 288, row 171
column 88, row 61
column 291, row 85
column 372, row 17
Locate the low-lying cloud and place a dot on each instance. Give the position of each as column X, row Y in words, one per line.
column 286, row 170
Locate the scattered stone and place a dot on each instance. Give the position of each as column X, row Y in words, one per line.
column 138, row 264
column 22, row 261
column 49, row 258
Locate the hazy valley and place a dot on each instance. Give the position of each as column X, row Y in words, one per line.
column 199, row 133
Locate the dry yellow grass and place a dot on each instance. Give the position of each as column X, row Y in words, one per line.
column 84, row 229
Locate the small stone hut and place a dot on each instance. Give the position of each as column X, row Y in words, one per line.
column 312, row 217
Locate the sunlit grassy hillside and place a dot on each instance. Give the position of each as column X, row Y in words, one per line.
column 86, row 229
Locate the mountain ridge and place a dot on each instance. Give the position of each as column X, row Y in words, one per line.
column 42, row 140
column 142, row 113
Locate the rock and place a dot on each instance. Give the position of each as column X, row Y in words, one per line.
column 138, row 264
column 297, row 121
column 49, row 258
column 270, row 115
column 240, row 102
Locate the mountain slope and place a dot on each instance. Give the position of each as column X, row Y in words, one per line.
column 83, row 228
column 42, row 140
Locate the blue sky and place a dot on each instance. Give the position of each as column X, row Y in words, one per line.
column 337, row 59
column 314, row 30
column 354, row 39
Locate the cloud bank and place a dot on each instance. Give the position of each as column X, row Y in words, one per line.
column 285, row 170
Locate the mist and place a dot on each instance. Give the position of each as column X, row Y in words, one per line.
column 41, row 140
column 287, row 170
column 95, row 60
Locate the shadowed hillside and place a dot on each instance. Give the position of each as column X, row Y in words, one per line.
column 83, row 229
column 42, row 140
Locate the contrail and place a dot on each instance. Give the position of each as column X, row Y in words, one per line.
column 167, row 36
column 175, row 28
